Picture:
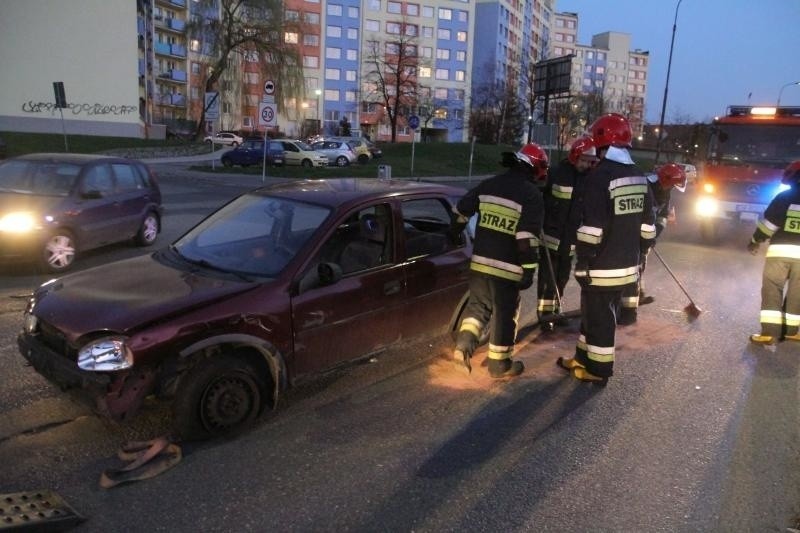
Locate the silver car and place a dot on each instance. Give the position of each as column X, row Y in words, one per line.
column 339, row 153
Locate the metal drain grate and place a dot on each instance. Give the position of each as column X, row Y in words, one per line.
column 39, row 511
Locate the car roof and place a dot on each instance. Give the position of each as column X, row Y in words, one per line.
column 78, row 159
column 338, row 191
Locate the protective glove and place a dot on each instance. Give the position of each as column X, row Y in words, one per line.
column 752, row 247
column 527, row 279
column 582, row 273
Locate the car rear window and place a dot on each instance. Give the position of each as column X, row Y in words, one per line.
column 37, row 177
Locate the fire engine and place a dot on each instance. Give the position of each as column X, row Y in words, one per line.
column 748, row 149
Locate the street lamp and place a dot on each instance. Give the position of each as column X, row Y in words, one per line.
column 318, row 92
column 781, row 91
column 666, row 85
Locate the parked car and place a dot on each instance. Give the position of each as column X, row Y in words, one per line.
column 251, row 152
column 228, row 138
column 373, row 148
column 55, row 206
column 284, row 282
column 338, row 152
column 300, row 153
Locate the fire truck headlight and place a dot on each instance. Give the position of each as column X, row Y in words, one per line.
column 706, row 207
column 708, row 188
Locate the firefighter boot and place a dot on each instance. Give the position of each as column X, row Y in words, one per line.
column 627, row 316
column 568, row 363
column 795, row 337
column 645, row 299
column 505, row 368
column 461, row 360
column 757, row 338
column 584, row 375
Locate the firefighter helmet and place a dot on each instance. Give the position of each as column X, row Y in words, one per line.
column 672, row 175
column 581, row 146
column 611, row 129
column 533, row 155
column 791, row 174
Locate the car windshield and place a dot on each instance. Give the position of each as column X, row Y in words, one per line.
column 304, row 146
column 254, row 235
column 38, row 177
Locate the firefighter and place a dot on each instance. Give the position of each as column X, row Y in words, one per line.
column 562, row 213
column 780, row 224
column 666, row 178
column 504, row 259
column 617, row 225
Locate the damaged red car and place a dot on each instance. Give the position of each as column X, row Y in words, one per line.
column 280, row 283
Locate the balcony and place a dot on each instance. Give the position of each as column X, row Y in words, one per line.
column 173, row 75
column 171, row 100
column 166, row 49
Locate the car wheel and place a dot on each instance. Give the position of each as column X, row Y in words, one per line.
column 148, row 231
column 363, row 159
column 307, row 163
column 59, row 251
column 226, row 162
column 342, row 161
column 209, row 142
column 220, row 396
column 234, row 144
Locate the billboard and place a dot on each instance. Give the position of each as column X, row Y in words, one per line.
column 552, row 77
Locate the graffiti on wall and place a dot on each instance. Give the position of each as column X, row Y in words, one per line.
column 79, row 109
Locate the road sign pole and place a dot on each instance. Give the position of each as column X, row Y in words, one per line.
column 413, row 142
column 264, row 159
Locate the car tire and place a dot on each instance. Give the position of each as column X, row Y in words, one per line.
column 342, row 161
column 307, row 163
column 226, row 162
column 221, row 396
column 59, row 251
column 148, row 231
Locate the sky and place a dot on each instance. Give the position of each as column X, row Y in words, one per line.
column 726, row 52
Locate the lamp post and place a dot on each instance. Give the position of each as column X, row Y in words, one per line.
column 318, row 92
column 666, row 86
column 780, row 93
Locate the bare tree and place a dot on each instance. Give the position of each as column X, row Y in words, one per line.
column 229, row 31
column 497, row 115
column 392, row 70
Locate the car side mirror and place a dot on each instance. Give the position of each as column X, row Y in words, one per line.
column 325, row 274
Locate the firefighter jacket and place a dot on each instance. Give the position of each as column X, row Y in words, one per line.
column 781, row 225
column 617, row 224
column 562, row 207
column 509, row 208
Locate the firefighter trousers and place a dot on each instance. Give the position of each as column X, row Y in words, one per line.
column 546, row 291
column 494, row 303
column 629, row 303
column 780, row 297
column 595, row 348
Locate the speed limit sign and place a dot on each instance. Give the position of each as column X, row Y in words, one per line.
column 267, row 114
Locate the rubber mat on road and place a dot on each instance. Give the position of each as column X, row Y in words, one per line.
column 38, row 511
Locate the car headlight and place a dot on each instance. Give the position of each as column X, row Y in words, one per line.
column 106, row 354
column 20, row 222
column 706, row 206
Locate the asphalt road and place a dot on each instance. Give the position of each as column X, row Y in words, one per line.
column 697, row 430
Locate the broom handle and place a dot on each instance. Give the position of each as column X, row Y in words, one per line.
column 671, row 273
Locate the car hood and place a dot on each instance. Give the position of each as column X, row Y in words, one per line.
column 128, row 294
column 11, row 201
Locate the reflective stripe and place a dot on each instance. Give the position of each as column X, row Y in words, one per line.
column 792, row 320
column 500, row 353
column 500, row 201
column 791, row 251
column 547, row 305
column 768, row 316
column 648, row 231
column 590, row 234
column 551, row 242
column 471, row 325
column 525, row 235
column 530, row 266
column 614, row 276
column 600, row 354
column 582, row 342
column 766, row 227
column 561, row 191
column 627, row 190
column 631, row 302
column 495, row 270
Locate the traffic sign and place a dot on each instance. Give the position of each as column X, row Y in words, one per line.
column 413, row 122
column 267, row 114
column 212, row 105
column 269, row 87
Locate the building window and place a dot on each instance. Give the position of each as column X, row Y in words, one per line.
column 559, row 37
column 427, row 32
column 312, row 18
column 442, row 74
column 334, row 31
column 601, row 56
column 426, row 52
column 458, row 94
column 440, row 94
column 412, row 9
column 333, row 74
column 349, row 95
column 424, row 72
column 333, row 53
column 352, row 33
column 461, row 36
column 290, row 37
column 331, row 95
column 352, row 12
column 311, row 61
column 350, row 75
column 292, row 15
column 460, row 75
column 558, row 51
column 195, row 68
column 458, row 114
column 393, row 7
column 374, row 5
column 393, row 28
column 372, row 25
column 443, row 33
column 335, row 10
column 352, row 55
column 427, row 12
column 445, row 14
column 310, row 39
column 411, row 30
column 462, row 16
column 461, row 55
column 442, row 53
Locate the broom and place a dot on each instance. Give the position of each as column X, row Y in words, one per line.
column 691, row 310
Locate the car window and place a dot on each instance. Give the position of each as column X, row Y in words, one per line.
column 127, row 179
column 425, row 225
column 276, row 146
column 98, row 178
column 303, row 146
column 289, row 147
column 364, row 240
column 254, row 234
column 38, row 178
column 254, row 145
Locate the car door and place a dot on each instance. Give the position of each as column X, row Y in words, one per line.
column 436, row 267
column 292, row 153
column 131, row 198
column 252, row 152
column 94, row 220
column 358, row 314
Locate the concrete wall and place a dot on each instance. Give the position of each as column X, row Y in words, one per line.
column 90, row 45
